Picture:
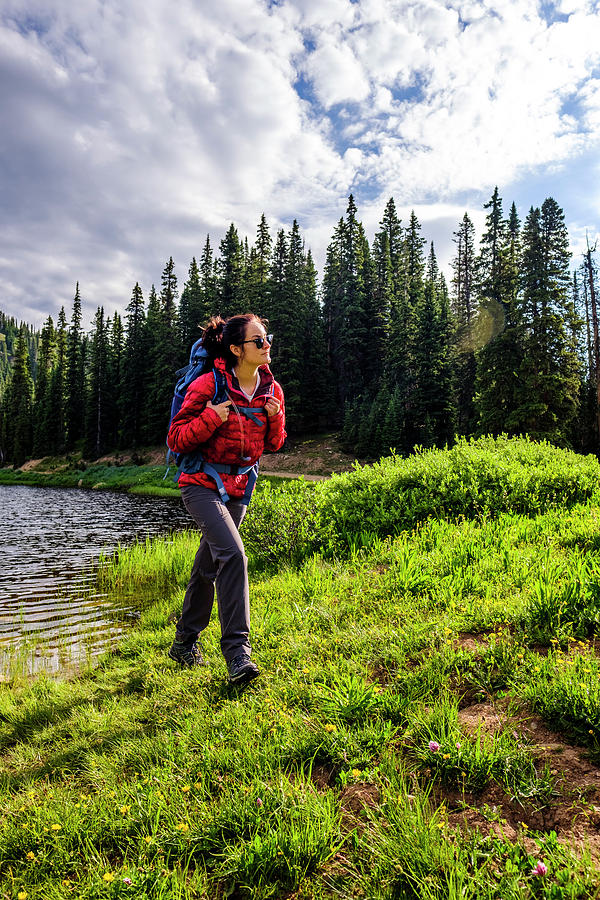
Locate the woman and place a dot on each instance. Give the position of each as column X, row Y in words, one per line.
column 226, row 440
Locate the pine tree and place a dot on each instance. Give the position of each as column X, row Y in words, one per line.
column 464, row 310
column 42, row 389
column 116, row 361
column 258, row 276
column 191, row 307
column 387, row 261
column 164, row 353
column 499, row 330
column 230, row 268
column 348, row 301
column 55, row 427
column 317, row 407
column 19, row 405
column 135, row 371
column 546, row 402
column 97, row 407
column 208, row 284
column 75, row 382
column 432, row 401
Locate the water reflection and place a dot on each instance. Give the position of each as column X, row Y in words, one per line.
column 49, row 539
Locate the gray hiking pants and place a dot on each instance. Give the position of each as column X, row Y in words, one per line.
column 220, row 562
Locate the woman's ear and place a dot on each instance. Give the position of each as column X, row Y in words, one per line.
column 237, row 351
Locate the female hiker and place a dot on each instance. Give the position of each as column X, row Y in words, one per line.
column 222, row 442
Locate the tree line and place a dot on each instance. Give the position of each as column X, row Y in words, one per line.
column 386, row 349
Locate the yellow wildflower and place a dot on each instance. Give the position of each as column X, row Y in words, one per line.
column 329, row 728
column 22, row 895
column 185, row 789
column 31, row 855
column 198, row 785
column 182, row 827
column 148, row 839
column 356, row 773
column 124, row 810
column 108, row 877
column 56, row 827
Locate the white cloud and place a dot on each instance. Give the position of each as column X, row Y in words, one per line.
column 130, row 129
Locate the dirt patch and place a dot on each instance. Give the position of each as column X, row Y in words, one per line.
column 355, row 797
column 322, row 776
column 472, row 642
column 482, row 717
column 574, row 810
column 320, row 455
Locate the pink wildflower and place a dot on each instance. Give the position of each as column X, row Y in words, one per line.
column 540, row 869
column 434, row 746
column 127, row 881
column 259, row 801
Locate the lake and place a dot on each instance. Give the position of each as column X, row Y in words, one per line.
column 50, row 539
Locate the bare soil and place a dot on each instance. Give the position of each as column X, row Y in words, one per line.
column 315, row 458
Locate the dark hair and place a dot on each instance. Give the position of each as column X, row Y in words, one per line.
column 218, row 335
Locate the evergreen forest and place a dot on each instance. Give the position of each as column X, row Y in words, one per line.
column 386, row 348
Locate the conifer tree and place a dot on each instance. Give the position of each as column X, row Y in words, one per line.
column 164, row 354
column 75, row 378
column 97, row 407
column 288, row 321
column 19, row 405
column 55, row 426
column 464, row 311
column 499, row 330
column 191, row 307
column 208, row 284
column 116, row 361
column 546, row 400
column 231, row 268
column 348, row 301
column 42, row 389
column 258, row 277
column 135, row 371
column 432, row 401
column 317, row 410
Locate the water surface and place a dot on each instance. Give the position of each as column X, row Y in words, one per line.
column 50, row 539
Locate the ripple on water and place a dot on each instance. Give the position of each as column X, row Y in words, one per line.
column 50, row 610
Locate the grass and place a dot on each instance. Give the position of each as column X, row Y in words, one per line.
column 350, row 768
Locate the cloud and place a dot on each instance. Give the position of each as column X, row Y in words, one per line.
column 130, row 130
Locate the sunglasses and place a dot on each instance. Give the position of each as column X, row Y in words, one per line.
column 260, row 341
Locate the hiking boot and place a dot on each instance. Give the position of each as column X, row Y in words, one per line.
column 187, row 655
column 241, row 669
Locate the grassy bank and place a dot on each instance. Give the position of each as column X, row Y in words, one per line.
column 130, row 478
column 151, row 480
column 427, row 723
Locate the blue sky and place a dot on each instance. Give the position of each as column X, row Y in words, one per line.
column 132, row 129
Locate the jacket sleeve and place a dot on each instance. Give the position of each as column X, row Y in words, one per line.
column 276, row 433
column 194, row 423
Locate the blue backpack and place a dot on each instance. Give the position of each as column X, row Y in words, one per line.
column 193, row 462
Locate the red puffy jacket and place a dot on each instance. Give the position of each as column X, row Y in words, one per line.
column 238, row 440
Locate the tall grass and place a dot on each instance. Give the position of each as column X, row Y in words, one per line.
column 347, row 769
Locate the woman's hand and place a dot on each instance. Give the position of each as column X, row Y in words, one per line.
column 272, row 406
column 221, row 409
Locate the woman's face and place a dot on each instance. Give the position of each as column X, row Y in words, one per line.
column 250, row 353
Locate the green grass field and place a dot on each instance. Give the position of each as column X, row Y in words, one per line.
column 426, row 724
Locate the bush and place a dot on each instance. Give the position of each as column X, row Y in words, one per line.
column 475, row 478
